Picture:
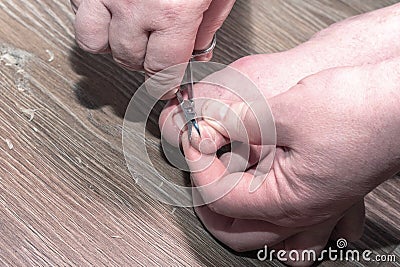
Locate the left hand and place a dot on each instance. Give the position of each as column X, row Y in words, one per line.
column 337, row 140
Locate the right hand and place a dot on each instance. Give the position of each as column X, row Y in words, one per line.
column 150, row 35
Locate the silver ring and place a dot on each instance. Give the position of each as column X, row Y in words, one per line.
column 206, row 51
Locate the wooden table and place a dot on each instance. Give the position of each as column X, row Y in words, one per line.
column 66, row 196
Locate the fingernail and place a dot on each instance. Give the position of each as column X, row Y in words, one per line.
column 215, row 110
column 207, row 146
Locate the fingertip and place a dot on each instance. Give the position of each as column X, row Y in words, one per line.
column 207, row 146
column 195, row 159
column 209, row 141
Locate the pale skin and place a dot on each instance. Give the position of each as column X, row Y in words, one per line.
column 337, row 138
column 149, row 35
column 331, row 153
column 336, row 106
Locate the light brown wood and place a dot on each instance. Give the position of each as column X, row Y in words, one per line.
column 66, row 196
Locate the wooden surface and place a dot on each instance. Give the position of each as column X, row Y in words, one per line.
column 66, row 196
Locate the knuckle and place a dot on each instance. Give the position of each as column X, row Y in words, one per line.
column 176, row 8
column 172, row 9
column 127, row 56
column 173, row 5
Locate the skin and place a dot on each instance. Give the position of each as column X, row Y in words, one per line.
column 149, row 35
column 337, row 138
column 319, row 177
column 323, row 121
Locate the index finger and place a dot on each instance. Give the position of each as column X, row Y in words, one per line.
column 165, row 49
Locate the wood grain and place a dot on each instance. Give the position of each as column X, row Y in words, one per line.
column 66, row 196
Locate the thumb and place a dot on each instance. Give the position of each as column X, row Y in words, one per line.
column 213, row 19
column 291, row 115
column 250, row 123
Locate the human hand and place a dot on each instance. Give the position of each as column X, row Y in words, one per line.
column 150, row 35
column 274, row 74
column 337, row 140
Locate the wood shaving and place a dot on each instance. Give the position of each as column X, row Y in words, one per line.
column 8, row 59
column 116, row 236
column 51, row 55
column 16, row 59
column 9, row 143
column 29, row 112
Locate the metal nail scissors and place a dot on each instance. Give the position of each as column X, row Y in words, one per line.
column 187, row 105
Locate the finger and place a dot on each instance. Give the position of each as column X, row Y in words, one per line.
column 287, row 113
column 238, row 159
column 233, row 194
column 229, row 194
column 213, row 19
column 168, row 48
column 210, row 140
column 92, row 26
column 351, row 226
column 172, row 123
column 128, row 41
column 172, row 44
column 207, row 90
column 250, row 123
column 242, row 235
column 243, row 156
column 266, row 158
column 196, row 161
column 304, row 248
